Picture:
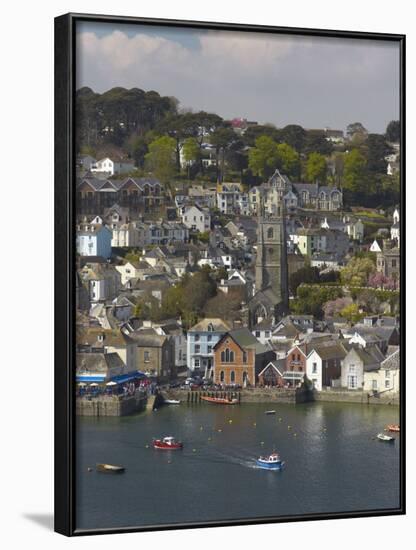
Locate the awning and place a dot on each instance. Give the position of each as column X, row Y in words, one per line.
column 90, row 378
column 121, row 378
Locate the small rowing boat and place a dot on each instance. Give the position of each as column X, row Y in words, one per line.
column 393, row 428
column 110, row 469
column 171, row 402
column 271, row 462
column 219, row 400
column 168, row 443
column 269, row 412
column 384, row 437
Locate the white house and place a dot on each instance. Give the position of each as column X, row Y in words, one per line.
column 196, row 219
column 104, row 282
column 375, row 247
column 132, row 234
column 93, row 240
column 112, row 167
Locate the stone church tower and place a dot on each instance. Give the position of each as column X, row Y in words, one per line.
column 271, row 297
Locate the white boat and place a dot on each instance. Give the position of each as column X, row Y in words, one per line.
column 171, row 401
column 384, row 437
column 270, row 412
column 271, row 462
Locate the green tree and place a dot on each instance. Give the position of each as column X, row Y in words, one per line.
column 160, row 159
column 393, row 131
column 305, row 274
column 356, row 272
column 377, row 149
column 222, row 139
column 288, row 160
column 263, row 159
column 316, row 168
column 354, row 170
column 191, row 152
column 352, row 313
column 294, row 135
column 356, row 130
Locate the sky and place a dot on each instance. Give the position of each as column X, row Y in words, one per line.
column 280, row 79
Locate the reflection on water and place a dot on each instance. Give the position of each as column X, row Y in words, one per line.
column 333, row 463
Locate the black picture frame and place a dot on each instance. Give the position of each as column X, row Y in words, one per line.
column 65, row 444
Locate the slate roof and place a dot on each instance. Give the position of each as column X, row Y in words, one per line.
column 97, row 362
column 392, row 361
column 245, row 339
column 218, row 325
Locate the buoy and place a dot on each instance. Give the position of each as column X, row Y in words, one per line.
column 169, row 462
column 262, row 443
column 209, row 439
column 280, row 419
column 254, row 424
column 90, row 469
column 147, row 446
column 194, row 450
column 230, row 421
column 220, row 430
column 201, row 428
column 294, row 435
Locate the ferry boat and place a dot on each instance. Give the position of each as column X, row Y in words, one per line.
column 393, row 428
column 271, row 462
column 384, row 437
column 110, row 469
column 168, row 443
column 220, row 400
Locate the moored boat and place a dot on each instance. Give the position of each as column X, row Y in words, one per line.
column 220, row 400
column 110, row 468
column 384, row 437
column 171, row 402
column 393, row 428
column 168, row 443
column 271, row 462
column 269, row 412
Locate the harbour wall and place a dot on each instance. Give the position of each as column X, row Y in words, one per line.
column 365, row 398
column 110, row 405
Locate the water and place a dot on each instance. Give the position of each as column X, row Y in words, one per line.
column 332, row 464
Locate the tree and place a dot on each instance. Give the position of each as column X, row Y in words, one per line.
column 222, row 139
column 356, row 130
column 263, row 159
column 354, row 170
column 352, row 313
column 191, row 152
column 305, row 274
column 294, row 135
column 288, row 160
column 377, row 149
column 316, row 168
column 332, row 308
column 160, row 159
column 393, row 131
column 379, row 280
column 224, row 306
column 317, row 143
column 254, row 132
column 357, row 271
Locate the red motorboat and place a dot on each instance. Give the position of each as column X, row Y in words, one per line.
column 220, row 400
column 167, row 443
column 393, row 428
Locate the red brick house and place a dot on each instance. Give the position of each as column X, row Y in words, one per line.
column 239, row 357
column 295, row 365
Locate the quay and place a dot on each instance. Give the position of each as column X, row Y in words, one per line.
column 111, row 405
column 246, row 395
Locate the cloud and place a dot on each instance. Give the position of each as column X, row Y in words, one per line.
column 277, row 78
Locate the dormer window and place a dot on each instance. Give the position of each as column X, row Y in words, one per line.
column 210, row 328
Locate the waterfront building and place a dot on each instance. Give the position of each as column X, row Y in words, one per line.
column 239, row 357
column 323, row 364
column 272, row 374
column 155, row 353
column 356, row 363
column 201, row 340
column 196, row 219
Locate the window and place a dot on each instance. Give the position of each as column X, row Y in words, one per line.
column 267, row 334
column 222, row 376
column 223, row 357
column 314, row 368
column 231, row 357
column 210, row 328
column 270, row 233
column 196, row 337
column 232, row 377
column 209, row 338
column 197, row 348
column 352, row 369
column 374, row 384
column 196, row 363
column 352, row 382
column 257, row 334
column 387, row 374
column 244, row 357
column 209, row 349
column 387, row 384
column 147, row 356
column 393, row 263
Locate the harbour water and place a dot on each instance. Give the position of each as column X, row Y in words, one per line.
column 333, row 463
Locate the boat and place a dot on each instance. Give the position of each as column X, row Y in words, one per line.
column 269, row 412
column 384, row 437
column 171, row 402
column 271, row 462
column 168, row 443
column 110, row 469
column 393, row 428
column 220, row 400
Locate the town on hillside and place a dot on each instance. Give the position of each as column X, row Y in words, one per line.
column 230, row 255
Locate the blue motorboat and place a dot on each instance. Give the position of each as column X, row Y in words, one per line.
column 271, row 462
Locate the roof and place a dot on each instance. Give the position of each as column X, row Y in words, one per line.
column 97, row 362
column 244, row 339
column 277, row 364
column 148, row 337
column 218, row 325
column 333, row 350
column 392, row 361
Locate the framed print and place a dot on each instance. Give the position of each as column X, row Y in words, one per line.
column 229, row 274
